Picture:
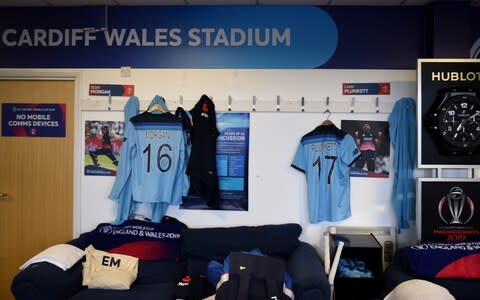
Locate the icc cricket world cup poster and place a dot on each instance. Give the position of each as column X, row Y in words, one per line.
column 449, row 209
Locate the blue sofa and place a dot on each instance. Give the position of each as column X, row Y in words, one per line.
column 158, row 279
column 401, row 269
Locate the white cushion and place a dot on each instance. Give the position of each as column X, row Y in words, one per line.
column 418, row 289
column 63, row 256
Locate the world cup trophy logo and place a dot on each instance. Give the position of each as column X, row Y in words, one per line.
column 106, row 229
column 456, row 201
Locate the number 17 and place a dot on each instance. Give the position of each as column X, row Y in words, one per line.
column 330, row 171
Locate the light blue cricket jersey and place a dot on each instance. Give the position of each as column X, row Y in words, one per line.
column 156, row 146
column 403, row 132
column 121, row 190
column 325, row 155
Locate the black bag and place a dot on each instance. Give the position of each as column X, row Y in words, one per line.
column 253, row 277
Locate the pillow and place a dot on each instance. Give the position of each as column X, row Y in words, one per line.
column 103, row 270
column 63, row 256
column 202, row 245
column 418, row 289
column 142, row 239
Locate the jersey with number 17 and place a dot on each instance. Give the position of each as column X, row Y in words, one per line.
column 157, row 149
column 325, row 155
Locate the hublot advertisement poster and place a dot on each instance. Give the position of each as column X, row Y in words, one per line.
column 449, row 209
column 449, row 112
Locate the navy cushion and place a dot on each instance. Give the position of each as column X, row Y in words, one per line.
column 204, row 244
column 30, row 284
column 306, row 269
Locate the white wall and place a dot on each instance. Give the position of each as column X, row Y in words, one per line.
column 277, row 192
column 241, row 85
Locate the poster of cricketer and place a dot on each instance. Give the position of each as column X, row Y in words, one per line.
column 103, row 140
column 373, row 141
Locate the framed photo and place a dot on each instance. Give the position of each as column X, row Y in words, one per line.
column 448, row 209
column 103, row 140
column 373, row 140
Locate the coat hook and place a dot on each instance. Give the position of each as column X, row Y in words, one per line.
column 278, row 103
column 303, row 104
column 180, row 101
column 327, row 104
column 376, row 105
column 109, row 100
column 229, row 103
column 254, row 100
column 352, row 105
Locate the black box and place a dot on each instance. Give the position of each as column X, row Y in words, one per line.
column 364, row 248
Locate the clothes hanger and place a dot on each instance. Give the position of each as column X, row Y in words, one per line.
column 327, row 120
column 155, row 107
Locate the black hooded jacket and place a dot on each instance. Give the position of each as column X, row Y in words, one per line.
column 202, row 164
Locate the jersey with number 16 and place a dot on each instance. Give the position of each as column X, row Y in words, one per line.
column 157, row 149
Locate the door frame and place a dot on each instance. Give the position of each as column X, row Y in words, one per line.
column 58, row 74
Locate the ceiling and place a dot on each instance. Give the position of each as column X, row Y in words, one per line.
column 219, row 2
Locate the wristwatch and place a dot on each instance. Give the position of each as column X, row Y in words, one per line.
column 454, row 121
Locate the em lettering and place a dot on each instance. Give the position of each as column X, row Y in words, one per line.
column 109, row 261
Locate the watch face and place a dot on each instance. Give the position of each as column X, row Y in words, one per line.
column 459, row 121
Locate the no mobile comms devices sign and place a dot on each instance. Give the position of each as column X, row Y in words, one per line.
column 33, row 120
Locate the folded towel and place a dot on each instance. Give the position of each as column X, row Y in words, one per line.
column 63, row 256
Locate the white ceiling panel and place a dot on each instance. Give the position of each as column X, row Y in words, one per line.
column 150, row 2
column 23, row 3
column 290, row 2
column 81, row 2
column 217, row 2
column 369, row 2
column 221, row 2
column 417, row 2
